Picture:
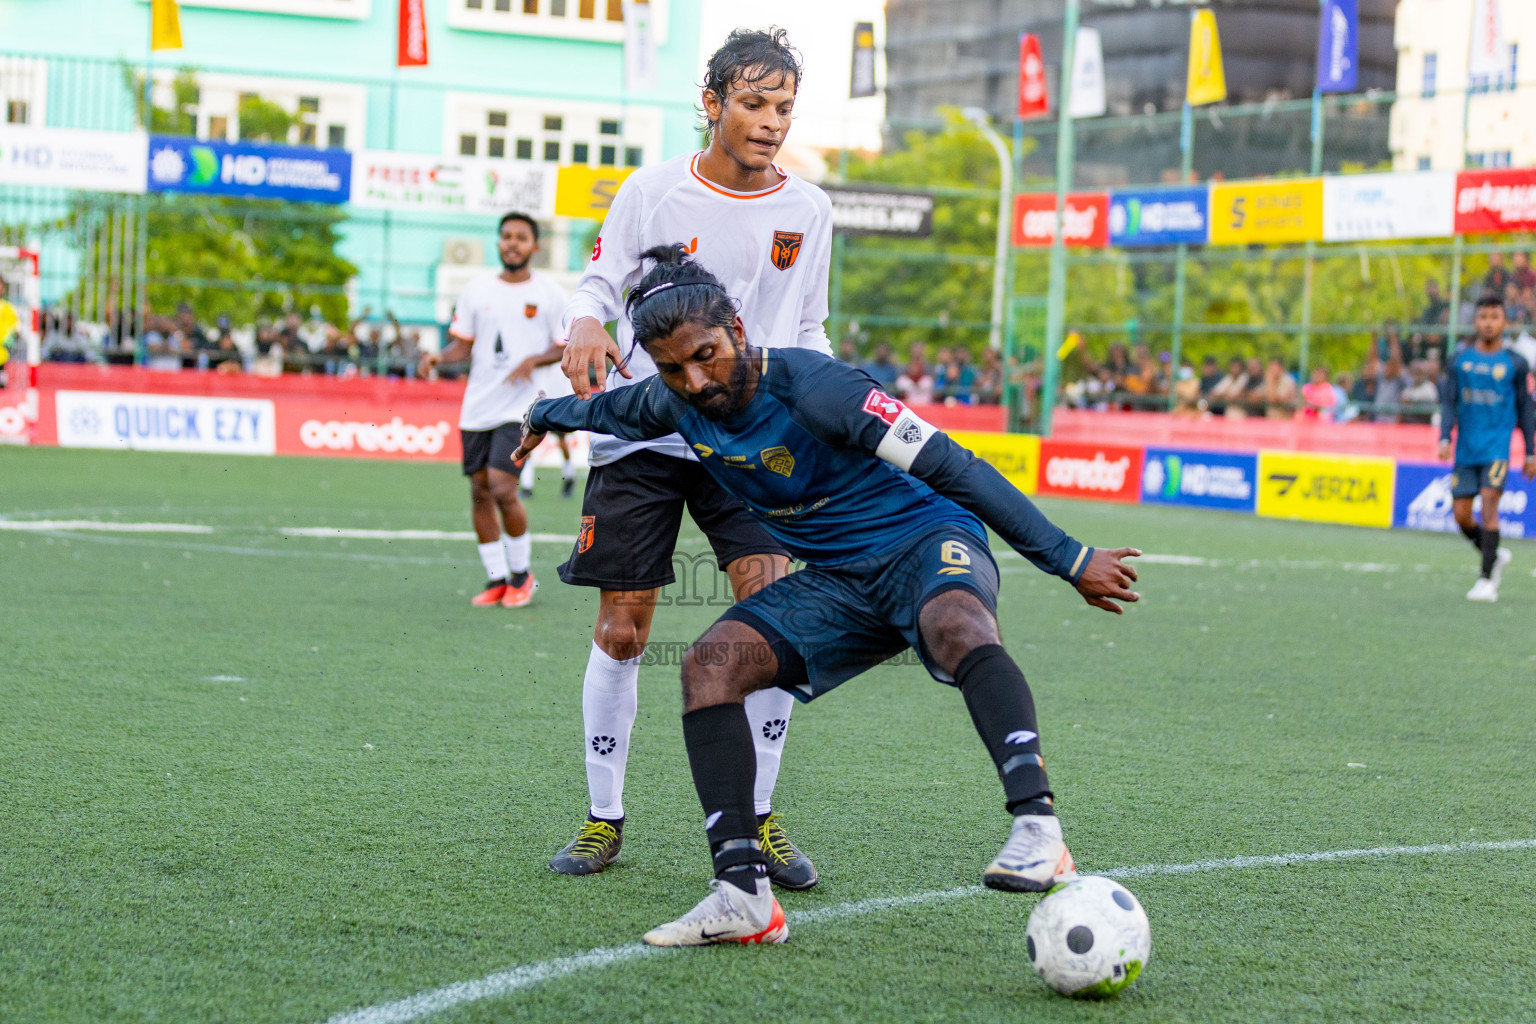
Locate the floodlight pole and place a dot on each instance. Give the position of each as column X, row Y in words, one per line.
column 1056, row 299
column 978, row 117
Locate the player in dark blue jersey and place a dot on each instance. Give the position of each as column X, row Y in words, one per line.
column 887, row 513
column 1484, row 397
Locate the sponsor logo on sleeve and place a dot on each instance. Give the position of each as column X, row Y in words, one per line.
column 883, row 407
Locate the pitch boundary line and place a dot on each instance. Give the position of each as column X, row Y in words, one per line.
column 492, row 986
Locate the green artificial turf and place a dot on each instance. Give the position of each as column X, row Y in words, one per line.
column 248, row 776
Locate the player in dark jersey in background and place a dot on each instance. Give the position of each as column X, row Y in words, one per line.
column 1484, row 397
column 887, row 513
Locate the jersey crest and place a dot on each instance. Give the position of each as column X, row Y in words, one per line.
column 786, row 248
column 778, row 459
column 883, row 407
column 530, row 311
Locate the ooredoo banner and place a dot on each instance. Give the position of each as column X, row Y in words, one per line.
column 1179, row 476
column 1100, row 472
column 397, row 430
column 1086, row 219
column 1352, row 489
column 1423, row 501
column 165, row 423
column 1495, row 200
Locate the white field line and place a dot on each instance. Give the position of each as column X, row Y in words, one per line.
column 42, row 525
column 346, row 533
column 527, row 976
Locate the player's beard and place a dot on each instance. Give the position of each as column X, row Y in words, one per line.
column 513, row 268
column 721, row 401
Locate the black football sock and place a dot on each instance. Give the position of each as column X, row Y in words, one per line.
column 1003, row 711
column 1490, row 551
column 1473, row 533
column 724, row 765
column 519, row 578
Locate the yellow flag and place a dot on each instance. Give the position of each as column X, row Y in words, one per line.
column 165, row 25
column 1207, row 81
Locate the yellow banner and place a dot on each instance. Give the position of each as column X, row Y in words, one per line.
column 1352, row 489
column 164, row 25
column 1267, row 211
column 1207, row 81
column 1016, row 456
column 587, row 191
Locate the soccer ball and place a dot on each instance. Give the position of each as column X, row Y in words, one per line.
column 1089, row 938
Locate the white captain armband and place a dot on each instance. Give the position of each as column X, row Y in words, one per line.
column 906, row 432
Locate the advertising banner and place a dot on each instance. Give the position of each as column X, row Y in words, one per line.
column 1352, row 489
column 1016, row 456
column 1498, row 200
column 165, row 423
column 367, row 429
column 412, row 39
column 1086, row 217
column 1160, row 216
column 295, row 173
column 1360, row 207
column 1423, row 501
column 880, row 211
column 1033, row 99
column 1267, row 211
column 65, row 158
column 587, row 191
column 411, row 181
column 1177, row 476
column 1099, row 472
column 1338, row 47
column 1090, row 98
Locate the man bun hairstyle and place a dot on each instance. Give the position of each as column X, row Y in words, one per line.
column 676, row 291
column 750, row 57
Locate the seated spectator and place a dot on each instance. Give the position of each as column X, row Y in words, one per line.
column 1229, row 390
column 882, row 368
column 1186, row 393
column 1524, row 276
column 188, row 335
column 1210, row 374
column 1422, row 391
column 1254, row 397
column 1362, row 395
column 1147, row 378
column 915, row 384
column 1389, row 341
column 1391, row 382
column 958, row 377
column 988, row 389
column 1319, row 395
column 1435, row 306
column 1279, row 389
column 68, row 342
column 1118, row 363
column 1498, row 277
column 1344, row 410
column 848, row 352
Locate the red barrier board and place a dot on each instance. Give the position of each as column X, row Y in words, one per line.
column 1495, row 200
column 1097, row 471
column 1086, row 216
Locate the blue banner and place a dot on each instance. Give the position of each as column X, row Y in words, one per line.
column 1178, row 476
column 1159, row 216
column 1338, row 47
column 178, row 164
column 1423, row 501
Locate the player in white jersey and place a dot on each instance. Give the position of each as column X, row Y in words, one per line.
column 508, row 324
column 768, row 237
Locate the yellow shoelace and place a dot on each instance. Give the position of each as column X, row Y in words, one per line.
column 771, row 837
column 594, row 835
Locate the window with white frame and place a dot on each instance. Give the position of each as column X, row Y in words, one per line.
column 355, row 10
column 331, row 115
column 23, row 91
column 552, row 131
column 1431, row 70
column 600, row 20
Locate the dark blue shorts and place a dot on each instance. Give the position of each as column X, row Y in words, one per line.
column 827, row 625
column 1471, row 479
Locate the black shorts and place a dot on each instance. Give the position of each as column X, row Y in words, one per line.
column 492, row 448
column 1471, row 479
column 630, row 515
column 827, row 625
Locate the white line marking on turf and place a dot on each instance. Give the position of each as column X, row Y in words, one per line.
column 41, row 525
column 351, row 534
column 492, row 986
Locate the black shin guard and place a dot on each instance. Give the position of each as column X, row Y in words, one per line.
column 1473, row 533
column 1490, row 548
column 724, row 765
column 1003, row 711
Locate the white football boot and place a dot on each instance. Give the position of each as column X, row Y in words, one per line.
column 1034, row 859
column 727, row 914
column 1484, row 590
column 1503, row 558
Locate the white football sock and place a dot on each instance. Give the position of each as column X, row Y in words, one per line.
column 609, row 703
column 494, row 557
column 525, row 479
column 519, row 551
column 568, row 471
column 768, row 713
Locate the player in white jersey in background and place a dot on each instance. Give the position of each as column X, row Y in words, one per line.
column 508, row 325
column 768, row 237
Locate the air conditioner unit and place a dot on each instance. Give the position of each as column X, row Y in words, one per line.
column 464, row 252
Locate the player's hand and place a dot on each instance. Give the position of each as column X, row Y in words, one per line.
column 425, row 364
column 522, row 374
column 1108, row 579
column 1445, row 453
column 1529, row 469
column 586, row 354
column 530, row 440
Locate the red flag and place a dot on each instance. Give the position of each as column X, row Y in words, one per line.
column 413, row 34
column 1033, row 101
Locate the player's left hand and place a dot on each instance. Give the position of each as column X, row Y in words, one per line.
column 522, row 373
column 1108, row 579
column 1529, row 469
column 530, row 440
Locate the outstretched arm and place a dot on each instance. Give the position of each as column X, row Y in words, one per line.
column 643, row 412
column 1450, row 394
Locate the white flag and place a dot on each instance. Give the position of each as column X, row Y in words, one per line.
column 1088, row 95
column 1488, row 55
column 639, row 47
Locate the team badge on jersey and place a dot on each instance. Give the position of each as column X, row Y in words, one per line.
column 584, row 539
column 530, row 311
column 778, row 459
column 1499, row 371
column 883, row 407
column 786, row 248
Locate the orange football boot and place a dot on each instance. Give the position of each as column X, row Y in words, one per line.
column 516, row 597
column 491, row 596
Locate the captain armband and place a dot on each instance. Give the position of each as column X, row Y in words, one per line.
column 905, row 434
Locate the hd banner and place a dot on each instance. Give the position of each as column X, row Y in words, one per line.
column 1162, row 216
column 410, row 181
column 1423, row 501
column 880, row 211
column 1178, row 476
column 296, row 173
column 65, row 158
column 1352, row 489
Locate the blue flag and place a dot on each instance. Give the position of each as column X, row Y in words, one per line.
column 1338, row 47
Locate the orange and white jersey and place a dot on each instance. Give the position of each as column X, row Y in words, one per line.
column 505, row 323
column 772, row 250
